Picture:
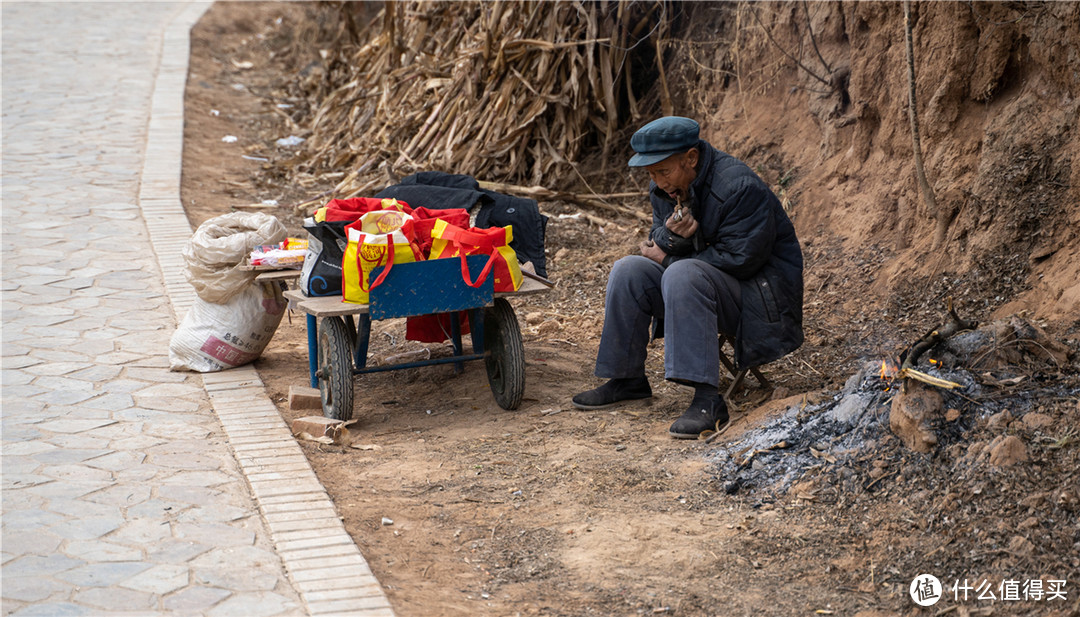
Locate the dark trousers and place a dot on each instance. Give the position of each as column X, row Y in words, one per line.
column 695, row 300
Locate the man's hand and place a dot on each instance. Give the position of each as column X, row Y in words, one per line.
column 653, row 252
column 684, row 226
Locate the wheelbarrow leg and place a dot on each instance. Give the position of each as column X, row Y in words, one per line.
column 350, row 329
column 363, row 336
column 455, row 338
column 313, row 349
column 476, row 328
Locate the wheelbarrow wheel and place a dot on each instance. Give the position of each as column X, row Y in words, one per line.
column 335, row 369
column 504, row 354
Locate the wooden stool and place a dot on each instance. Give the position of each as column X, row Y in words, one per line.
column 737, row 376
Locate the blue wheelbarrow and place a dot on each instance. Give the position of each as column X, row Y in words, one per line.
column 339, row 333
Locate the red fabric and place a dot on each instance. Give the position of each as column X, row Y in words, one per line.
column 433, row 328
column 354, row 208
column 425, row 222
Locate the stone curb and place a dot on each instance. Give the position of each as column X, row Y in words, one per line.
column 322, row 561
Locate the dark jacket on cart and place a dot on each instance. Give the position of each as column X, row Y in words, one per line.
column 439, row 190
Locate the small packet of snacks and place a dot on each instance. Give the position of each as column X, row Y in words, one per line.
column 289, row 253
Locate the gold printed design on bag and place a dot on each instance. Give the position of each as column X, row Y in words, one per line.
column 372, row 252
column 388, row 221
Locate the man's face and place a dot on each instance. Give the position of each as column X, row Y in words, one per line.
column 674, row 174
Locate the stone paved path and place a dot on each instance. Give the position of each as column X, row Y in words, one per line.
column 121, row 494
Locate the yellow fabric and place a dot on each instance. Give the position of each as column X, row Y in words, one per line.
column 389, row 203
column 371, row 242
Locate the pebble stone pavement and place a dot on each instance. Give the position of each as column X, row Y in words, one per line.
column 129, row 489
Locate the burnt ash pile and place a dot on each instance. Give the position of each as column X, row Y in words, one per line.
column 1005, row 370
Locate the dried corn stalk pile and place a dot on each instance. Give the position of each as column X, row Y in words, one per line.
column 512, row 91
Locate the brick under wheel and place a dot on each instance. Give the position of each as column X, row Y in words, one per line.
column 335, row 369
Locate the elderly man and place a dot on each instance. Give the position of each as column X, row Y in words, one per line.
column 721, row 256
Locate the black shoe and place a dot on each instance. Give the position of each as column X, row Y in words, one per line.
column 704, row 414
column 614, row 391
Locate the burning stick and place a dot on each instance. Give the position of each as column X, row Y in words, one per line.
column 931, row 338
column 935, row 336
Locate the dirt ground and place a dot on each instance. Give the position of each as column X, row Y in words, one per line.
column 548, row 510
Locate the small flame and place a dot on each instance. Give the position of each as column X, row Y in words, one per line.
column 934, row 362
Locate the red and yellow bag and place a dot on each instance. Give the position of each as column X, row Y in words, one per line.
column 453, row 241
column 352, row 209
column 425, row 219
column 378, row 238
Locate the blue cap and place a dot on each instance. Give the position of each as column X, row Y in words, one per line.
column 662, row 138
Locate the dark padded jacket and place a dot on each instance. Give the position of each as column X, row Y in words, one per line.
column 744, row 231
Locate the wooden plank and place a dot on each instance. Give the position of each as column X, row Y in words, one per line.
column 528, row 286
column 278, row 275
column 326, row 306
column 247, row 267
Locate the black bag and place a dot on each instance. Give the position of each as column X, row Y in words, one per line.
column 321, row 275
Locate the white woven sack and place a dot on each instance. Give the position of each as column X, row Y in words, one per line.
column 215, row 336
